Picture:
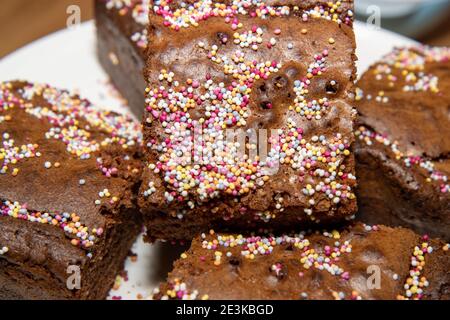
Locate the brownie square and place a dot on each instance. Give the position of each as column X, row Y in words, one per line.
column 283, row 69
column 121, row 43
column 68, row 178
column 402, row 147
column 360, row 262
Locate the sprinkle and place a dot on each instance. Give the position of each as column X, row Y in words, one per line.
column 113, row 58
column 3, row 251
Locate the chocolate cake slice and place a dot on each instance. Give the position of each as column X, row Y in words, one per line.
column 121, row 43
column 361, row 262
column 227, row 79
column 402, row 146
column 68, row 179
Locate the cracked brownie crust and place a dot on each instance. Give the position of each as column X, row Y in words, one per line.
column 285, row 67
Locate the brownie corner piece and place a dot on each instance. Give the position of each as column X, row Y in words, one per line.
column 68, row 177
column 360, row 262
column 402, row 150
column 248, row 68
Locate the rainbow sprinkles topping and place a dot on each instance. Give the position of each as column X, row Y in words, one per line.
column 10, row 154
column 410, row 63
column 322, row 259
column 82, row 129
column 68, row 222
column 191, row 14
column 195, row 176
column 416, row 283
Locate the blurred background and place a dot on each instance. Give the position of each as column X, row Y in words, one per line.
column 22, row 21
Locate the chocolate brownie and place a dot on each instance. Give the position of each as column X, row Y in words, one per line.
column 121, row 43
column 362, row 262
column 403, row 144
column 68, row 179
column 222, row 76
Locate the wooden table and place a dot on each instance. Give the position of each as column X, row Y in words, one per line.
column 22, row 21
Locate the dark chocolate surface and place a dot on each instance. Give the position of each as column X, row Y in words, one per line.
column 285, row 68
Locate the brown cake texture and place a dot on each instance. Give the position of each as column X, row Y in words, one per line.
column 403, row 144
column 225, row 78
column 121, row 43
column 361, row 262
column 68, row 179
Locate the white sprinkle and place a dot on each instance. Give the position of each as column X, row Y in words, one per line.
column 47, row 164
column 82, row 182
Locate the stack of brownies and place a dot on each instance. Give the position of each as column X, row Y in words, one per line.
column 252, row 127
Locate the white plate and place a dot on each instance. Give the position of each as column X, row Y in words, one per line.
column 67, row 59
